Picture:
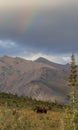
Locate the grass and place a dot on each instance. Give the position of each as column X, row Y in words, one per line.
column 25, row 119
column 16, row 113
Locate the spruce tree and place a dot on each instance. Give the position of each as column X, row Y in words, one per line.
column 72, row 95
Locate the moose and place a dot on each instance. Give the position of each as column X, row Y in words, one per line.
column 40, row 109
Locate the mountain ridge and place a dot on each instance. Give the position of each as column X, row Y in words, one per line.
column 36, row 79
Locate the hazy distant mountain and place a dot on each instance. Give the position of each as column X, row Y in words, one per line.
column 43, row 60
column 39, row 79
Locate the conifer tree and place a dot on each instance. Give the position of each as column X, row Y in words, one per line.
column 72, row 96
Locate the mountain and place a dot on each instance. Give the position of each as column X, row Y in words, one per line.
column 45, row 61
column 39, row 79
column 60, row 66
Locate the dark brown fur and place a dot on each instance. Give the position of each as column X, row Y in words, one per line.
column 40, row 109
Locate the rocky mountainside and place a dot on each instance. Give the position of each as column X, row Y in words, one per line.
column 40, row 79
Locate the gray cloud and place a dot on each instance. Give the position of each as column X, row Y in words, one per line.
column 54, row 30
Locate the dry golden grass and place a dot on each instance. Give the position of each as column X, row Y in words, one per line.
column 25, row 119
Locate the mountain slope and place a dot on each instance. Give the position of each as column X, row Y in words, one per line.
column 36, row 79
column 45, row 61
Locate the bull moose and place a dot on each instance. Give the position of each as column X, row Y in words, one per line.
column 40, row 109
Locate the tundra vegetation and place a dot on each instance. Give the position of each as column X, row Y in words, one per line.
column 19, row 113
column 23, row 113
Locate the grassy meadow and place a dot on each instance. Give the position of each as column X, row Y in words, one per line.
column 16, row 113
column 25, row 119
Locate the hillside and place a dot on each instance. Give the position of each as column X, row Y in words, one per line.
column 18, row 114
column 40, row 79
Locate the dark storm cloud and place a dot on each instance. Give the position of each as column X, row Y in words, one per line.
column 53, row 30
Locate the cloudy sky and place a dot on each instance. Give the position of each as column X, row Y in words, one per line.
column 36, row 28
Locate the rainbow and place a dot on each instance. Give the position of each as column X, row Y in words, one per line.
column 28, row 20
